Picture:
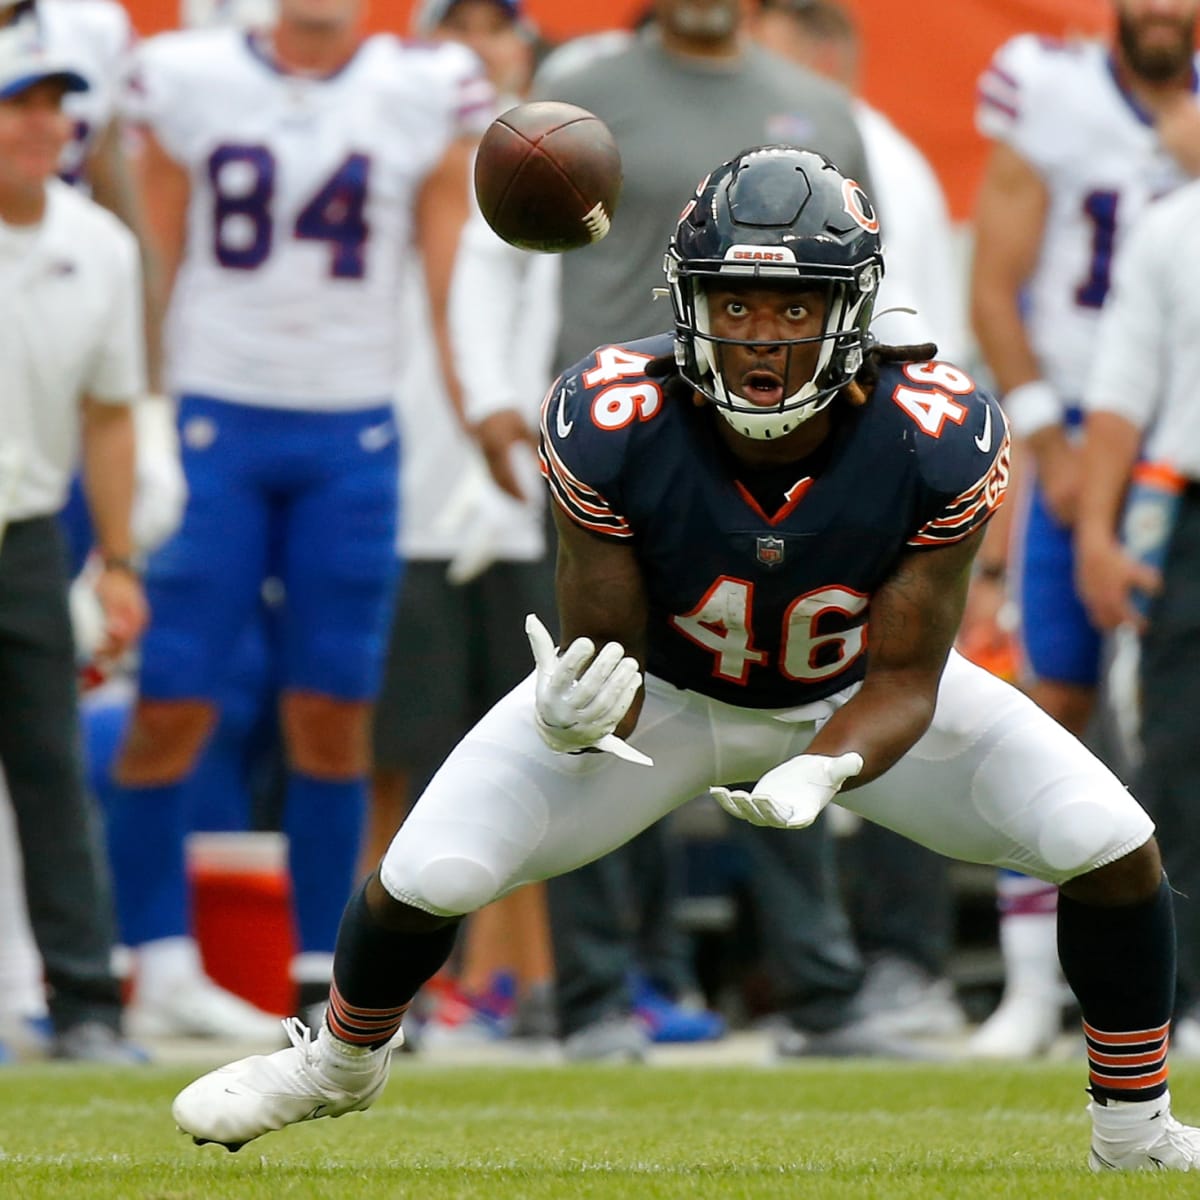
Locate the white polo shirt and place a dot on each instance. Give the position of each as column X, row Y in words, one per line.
column 1147, row 363
column 70, row 326
column 918, row 244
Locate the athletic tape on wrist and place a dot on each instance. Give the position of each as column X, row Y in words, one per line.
column 1032, row 407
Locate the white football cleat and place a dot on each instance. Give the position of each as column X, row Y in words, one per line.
column 1141, row 1136
column 250, row 1097
column 1023, row 1026
column 199, row 1008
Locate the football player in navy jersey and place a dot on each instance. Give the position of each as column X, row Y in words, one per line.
column 737, row 507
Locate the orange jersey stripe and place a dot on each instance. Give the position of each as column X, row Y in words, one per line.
column 577, row 499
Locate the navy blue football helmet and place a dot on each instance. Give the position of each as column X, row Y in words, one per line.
column 776, row 213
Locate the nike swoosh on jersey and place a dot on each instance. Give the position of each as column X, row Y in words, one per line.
column 984, row 440
column 561, row 424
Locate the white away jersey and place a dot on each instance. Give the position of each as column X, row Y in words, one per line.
column 95, row 37
column 301, row 215
column 1060, row 106
column 1148, row 357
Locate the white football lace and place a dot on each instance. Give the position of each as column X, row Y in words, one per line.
column 299, row 1035
column 302, row 1038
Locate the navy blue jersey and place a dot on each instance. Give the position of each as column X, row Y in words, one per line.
column 756, row 601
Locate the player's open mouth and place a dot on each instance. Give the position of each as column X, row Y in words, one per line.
column 764, row 388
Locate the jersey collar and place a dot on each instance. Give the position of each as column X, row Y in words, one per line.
column 791, row 498
column 260, row 48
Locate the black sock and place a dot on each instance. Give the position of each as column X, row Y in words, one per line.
column 376, row 973
column 1120, row 963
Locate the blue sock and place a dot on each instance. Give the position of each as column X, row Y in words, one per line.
column 323, row 820
column 217, row 794
column 146, row 828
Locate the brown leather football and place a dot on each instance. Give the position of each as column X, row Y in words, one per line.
column 547, row 176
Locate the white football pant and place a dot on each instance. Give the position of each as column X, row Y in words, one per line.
column 994, row 780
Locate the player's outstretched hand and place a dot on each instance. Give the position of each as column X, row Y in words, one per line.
column 791, row 795
column 578, row 705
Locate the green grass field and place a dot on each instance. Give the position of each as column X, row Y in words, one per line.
column 803, row 1130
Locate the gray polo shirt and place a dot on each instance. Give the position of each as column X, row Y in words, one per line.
column 675, row 119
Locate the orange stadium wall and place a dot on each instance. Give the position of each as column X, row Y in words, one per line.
column 920, row 57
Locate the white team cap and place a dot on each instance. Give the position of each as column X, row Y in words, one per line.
column 25, row 61
column 431, row 13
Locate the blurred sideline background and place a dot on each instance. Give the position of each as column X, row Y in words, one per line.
column 921, row 58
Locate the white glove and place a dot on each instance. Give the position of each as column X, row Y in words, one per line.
column 577, row 709
column 791, row 795
column 161, row 491
column 87, row 616
column 485, row 520
column 89, row 627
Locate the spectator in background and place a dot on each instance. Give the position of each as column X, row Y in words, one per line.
column 97, row 36
column 899, row 892
column 475, row 554
column 923, row 273
column 94, row 38
column 72, row 354
column 1084, row 134
column 1141, row 403
column 285, row 175
column 712, row 92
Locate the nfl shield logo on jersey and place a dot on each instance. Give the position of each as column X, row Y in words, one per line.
column 770, row 550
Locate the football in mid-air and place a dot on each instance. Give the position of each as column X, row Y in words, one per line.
column 547, row 176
